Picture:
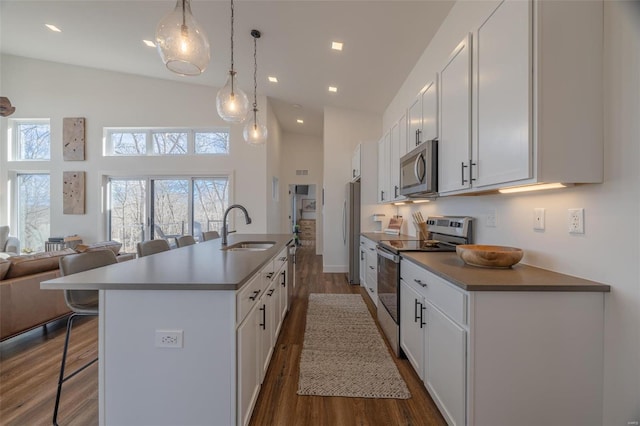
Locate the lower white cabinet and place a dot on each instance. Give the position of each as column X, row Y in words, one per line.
column 258, row 332
column 504, row 357
column 371, row 270
column 445, row 351
column 412, row 330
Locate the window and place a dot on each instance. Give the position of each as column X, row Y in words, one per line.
column 165, row 207
column 31, row 140
column 33, row 209
column 160, row 141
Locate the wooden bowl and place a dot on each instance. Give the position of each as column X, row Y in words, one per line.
column 489, row 256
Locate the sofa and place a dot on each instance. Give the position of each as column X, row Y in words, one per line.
column 23, row 305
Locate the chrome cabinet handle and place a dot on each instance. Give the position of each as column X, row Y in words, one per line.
column 395, row 191
column 254, row 295
column 263, row 324
column 420, row 282
column 463, row 166
column 471, row 171
column 422, row 309
column 415, row 310
column 284, row 278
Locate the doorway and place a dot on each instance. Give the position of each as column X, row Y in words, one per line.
column 303, row 212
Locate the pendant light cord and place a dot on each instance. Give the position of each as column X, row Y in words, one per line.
column 232, row 72
column 255, row 77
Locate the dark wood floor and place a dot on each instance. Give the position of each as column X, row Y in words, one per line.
column 29, row 370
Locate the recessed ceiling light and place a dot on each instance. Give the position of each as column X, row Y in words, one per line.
column 53, row 28
column 300, row 121
column 333, row 89
column 149, row 43
column 336, row 45
column 273, row 79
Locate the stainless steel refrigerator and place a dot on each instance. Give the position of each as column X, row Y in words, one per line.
column 351, row 230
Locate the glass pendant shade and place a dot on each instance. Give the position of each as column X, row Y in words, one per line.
column 255, row 133
column 182, row 44
column 232, row 103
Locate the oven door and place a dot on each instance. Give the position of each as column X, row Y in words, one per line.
column 388, row 282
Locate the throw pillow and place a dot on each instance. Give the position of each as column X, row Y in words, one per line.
column 114, row 246
column 4, row 235
column 35, row 263
column 4, row 267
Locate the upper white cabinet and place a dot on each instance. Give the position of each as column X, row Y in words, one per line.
column 537, row 114
column 454, row 146
column 384, row 145
column 423, row 116
column 502, row 79
column 356, row 161
column 398, row 148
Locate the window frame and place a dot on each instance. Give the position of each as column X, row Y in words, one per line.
column 108, row 148
column 14, row 145
column 14, row 177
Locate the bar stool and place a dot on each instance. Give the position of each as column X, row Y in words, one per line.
column 147, row 248
column 210, row 235
column 185, row 240
column 81, row 303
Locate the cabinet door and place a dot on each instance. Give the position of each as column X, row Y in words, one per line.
column 412, row 330
column 445, row 364
column 454, row 144
column 414, row 124
column 502, row 77
column 383, row 169
column 363, row 265
column 394, row 166
column 430, row 112
column 248, row 364
column 284, row 295
column 402, row 124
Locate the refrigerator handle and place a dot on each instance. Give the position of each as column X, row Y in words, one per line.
column 344, row 222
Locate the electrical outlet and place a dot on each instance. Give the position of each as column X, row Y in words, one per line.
column 492, row 219
column 576, row 221
column 538, row 219
column 168, row 338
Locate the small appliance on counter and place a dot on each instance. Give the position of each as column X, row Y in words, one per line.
column 444, row 233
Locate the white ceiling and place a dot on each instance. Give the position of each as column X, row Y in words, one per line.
column 382, row 42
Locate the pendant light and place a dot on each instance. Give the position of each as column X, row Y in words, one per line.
column 255, row 133
column 182, row 44
column 231, row 102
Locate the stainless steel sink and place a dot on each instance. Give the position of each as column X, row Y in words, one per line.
column 250, row 246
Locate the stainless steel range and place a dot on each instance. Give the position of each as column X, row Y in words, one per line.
column 444, row 233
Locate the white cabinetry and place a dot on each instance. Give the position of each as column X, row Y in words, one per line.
column 363, row 262
column 412, row 331
column 423, row 115
column 371, row 270
column 384, row 153
column 356, row 161
column 532, row 120
column 398, row 147
column 262, row 305
column 455, row 120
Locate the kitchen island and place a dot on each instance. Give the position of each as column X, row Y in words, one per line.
column 185, row 336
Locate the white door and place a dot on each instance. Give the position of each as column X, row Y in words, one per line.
column 445, row 364
column 454, row 146
column 502, row 78
column 414, row 124
column 412, row 327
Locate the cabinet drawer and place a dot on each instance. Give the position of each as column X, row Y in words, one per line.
column 248, row 296
column 280, row 260
column 440, row 293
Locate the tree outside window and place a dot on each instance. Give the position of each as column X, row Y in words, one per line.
column 32, row 140
column 33, row 210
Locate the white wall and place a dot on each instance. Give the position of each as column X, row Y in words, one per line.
column 42, row 89
column 343, row 130
column 302, row 152
column 609, row 250
column 273, row 195
column 369, row 190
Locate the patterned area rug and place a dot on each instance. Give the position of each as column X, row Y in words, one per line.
column 343, row 352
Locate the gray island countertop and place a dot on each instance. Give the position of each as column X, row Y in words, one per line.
column 203, row 266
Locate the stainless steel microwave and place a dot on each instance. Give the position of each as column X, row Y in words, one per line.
column 419, row 171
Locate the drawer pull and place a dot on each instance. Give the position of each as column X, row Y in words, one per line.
column 270, row 292
column 371, row 267
column 282, row 259
column 254, row 295
column 420, row 282
column 263, row 324
column 270, row 275
column 372, row 249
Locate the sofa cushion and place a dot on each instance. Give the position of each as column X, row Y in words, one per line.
column 4, row 235
column 35, row 263
column 4, row 267
column 114, row 246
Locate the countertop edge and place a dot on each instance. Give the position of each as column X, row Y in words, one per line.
column 588, row 286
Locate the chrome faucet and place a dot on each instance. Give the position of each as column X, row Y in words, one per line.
column 225, row 227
